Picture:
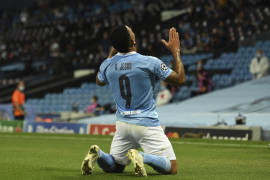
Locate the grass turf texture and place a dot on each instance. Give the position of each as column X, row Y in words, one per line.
column 44, row 156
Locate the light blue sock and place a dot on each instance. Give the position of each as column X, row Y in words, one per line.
column 105, row 161
column 158, row 163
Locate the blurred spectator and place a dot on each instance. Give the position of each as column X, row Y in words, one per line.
column 18, row 100
column 105, row 41
column 106, row 109
column 3, row 53
column 215, row 41
column 189, row 44
column 203, row 44
column 92, row 107
column 27, row 59
column 54, row 49
column 259, row 65
column 204, row 81
column 240, row 119
column 58, row 62
column 164, row 96
column 23, row 16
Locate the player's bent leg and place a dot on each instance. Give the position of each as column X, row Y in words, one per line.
column 158, row 151
column 121, row 144
column 160, row 164
column 137, row 160
column 84, row 167
column 174, row 167
column 105, row 161
column 90, row 160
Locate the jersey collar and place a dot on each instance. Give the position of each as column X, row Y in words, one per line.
column 126, row 54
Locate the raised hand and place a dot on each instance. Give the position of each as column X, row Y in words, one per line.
column 177, row 77
column 173, row 44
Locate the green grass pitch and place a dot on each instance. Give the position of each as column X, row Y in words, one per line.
column 43, row 156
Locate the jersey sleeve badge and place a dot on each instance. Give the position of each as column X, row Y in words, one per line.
column 163, row 67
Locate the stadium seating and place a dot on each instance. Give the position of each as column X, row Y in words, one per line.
column 237, row 63
column 80, row 29
column 77, row 26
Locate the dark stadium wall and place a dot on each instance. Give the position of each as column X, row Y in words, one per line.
column 15, row 4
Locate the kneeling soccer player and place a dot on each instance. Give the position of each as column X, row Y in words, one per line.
column 132, row 78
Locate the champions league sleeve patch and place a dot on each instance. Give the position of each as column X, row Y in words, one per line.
column 163, row 67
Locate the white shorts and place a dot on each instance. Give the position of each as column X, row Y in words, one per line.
column 151, row 139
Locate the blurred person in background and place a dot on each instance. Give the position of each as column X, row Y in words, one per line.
column 106, row 109
column 54, row 49
column 18, row 100
column 204, row 81
column 189, row 45
column 259, row 65
column 203, row 44
column 57, row 61
column 92, row 107
column 164, row 96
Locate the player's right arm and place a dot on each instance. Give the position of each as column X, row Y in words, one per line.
column 177, row 77
column 101, row 79
column 99, row 83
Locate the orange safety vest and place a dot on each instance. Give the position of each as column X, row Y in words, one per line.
column 18, row 97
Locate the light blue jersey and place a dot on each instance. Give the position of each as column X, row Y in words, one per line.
column 132, row 78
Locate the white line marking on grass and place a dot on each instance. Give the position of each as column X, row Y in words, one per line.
column 109, row 139
column 220, row 144
column 59, row 138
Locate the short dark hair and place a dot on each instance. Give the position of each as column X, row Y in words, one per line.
column 95, row 98
column 120, row 39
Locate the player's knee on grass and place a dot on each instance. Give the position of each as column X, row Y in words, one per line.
column 121, row 160
column 117, row 169
column 173, row 167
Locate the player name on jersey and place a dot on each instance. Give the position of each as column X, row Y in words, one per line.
column 131, row 112
column 123, row 66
